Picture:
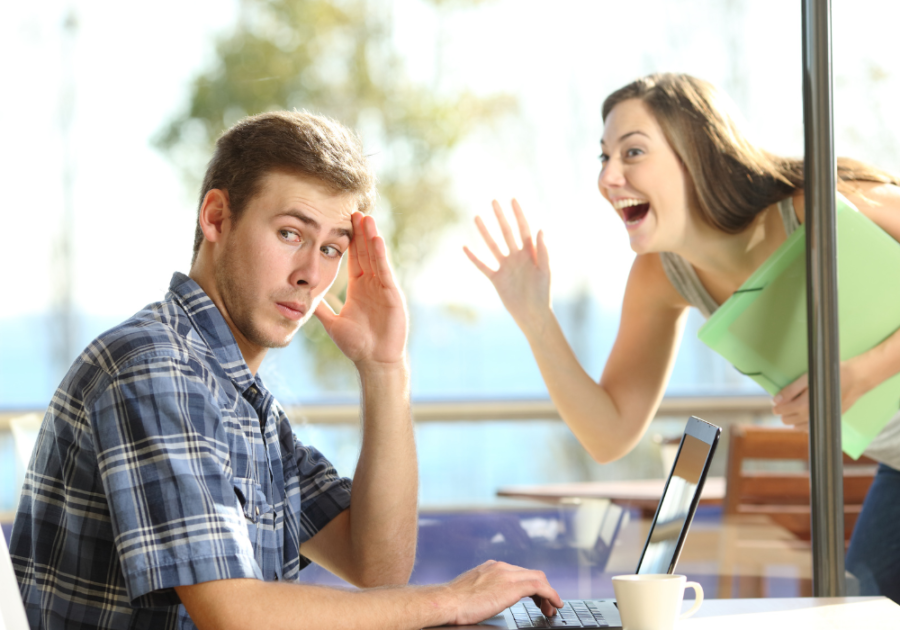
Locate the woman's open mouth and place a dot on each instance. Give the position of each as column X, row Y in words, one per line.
column 635, row 214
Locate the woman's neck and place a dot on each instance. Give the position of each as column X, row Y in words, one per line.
column 725, row 261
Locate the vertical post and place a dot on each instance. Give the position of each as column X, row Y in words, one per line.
column 62, row 323
column 820, row 167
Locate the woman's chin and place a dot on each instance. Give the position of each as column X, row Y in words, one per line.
column 640, row 234
column 640, row 244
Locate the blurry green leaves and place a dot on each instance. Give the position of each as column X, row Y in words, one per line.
column 336, row 57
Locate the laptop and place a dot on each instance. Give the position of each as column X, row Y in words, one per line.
column 665, row 540
column 12, row 612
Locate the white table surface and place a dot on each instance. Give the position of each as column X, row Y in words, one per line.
column 838, row 613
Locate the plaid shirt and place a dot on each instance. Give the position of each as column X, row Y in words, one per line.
column 162, row 461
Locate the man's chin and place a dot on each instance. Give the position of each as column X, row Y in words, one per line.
column 285, row 341
column 275, row 343
column 280, row 338
column 281, row 343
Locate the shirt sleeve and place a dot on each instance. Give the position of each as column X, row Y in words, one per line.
column 164, row 462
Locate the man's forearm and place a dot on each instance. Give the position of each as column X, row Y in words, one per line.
column 383, row 507
column 247, row 603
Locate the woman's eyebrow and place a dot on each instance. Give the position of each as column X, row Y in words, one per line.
column 626, row 135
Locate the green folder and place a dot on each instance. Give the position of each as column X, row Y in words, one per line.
column 761, row 328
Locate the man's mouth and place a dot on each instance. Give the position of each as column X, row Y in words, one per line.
column 291, row 310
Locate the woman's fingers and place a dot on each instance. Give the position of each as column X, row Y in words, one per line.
column 798, row 405
column 508, row 235
column 488, row 239
column 796, row 420
column 543, row 256
column 528, row 243
column 524, row 229
column 477, row 262
column 792, row 403
column 792, row 391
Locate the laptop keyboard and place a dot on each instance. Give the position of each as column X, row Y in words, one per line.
column 573, row 614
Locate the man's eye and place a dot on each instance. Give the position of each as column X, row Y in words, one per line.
column 332, row 252
column 290, row 235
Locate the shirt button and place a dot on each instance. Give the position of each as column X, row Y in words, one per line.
column 257, row 510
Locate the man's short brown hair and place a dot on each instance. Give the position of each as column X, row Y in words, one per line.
column 298, row 143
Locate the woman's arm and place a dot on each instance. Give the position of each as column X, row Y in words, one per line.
column 859, row 375
column 609, row 417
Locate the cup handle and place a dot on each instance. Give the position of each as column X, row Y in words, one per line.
column 698, row 590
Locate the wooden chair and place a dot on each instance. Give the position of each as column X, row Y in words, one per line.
column 766, row 513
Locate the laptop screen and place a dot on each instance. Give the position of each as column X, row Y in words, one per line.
column 680, row 498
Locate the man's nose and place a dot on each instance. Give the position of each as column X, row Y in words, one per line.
column 307, row 270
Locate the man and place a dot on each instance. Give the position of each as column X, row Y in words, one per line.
column 167, row 489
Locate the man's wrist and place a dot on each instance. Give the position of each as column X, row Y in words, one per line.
column 378, row 370
column 438, row 604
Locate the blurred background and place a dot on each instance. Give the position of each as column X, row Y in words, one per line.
column 110, row 110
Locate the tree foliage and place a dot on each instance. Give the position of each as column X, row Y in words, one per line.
column 336, row 57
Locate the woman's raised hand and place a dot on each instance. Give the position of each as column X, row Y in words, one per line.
column 523, row 277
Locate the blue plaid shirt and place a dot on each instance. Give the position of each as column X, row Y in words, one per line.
column 162, row 461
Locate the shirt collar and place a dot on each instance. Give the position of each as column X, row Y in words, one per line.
column 208, row 321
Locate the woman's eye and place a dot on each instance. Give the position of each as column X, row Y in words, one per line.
column 634, row 152
column 604, row 158
column 290, row 235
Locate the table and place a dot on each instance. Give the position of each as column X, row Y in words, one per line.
column 643, row 494
column 824, row 613
column 795, row 613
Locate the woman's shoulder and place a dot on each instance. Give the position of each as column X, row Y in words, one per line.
column 649, row 280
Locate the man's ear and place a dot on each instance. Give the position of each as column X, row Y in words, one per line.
column 215, row 215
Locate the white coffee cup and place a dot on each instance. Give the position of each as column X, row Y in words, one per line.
column 652, row 602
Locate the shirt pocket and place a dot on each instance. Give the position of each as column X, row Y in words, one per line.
column 252, row 499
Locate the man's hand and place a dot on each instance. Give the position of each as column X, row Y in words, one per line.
column 372, row 325
column 491, row 587
column 523, row 277
column 792, row 402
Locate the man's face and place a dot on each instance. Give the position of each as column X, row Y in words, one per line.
column 280, row 258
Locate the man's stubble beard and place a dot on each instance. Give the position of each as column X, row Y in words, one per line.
column 239, row 303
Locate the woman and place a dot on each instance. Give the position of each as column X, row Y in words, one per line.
column 703, row 208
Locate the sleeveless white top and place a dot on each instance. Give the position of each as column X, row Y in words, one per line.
column 886, row 446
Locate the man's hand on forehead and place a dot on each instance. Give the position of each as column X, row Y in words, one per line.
column 371, row 327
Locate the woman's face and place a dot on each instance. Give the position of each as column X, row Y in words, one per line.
column 643, row 179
